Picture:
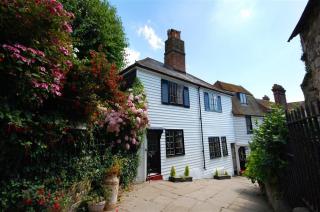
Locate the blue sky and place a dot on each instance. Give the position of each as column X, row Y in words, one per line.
column 242, row 42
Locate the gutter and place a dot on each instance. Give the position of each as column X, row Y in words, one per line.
column 201, row 129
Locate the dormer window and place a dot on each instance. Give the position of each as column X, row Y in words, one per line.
column 242, row 98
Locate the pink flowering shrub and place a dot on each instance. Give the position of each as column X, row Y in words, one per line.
column 35, row 50
column 127, row 123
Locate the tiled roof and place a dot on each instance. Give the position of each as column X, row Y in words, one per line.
column 158, row 67
column 231, row 87
column 254, row 106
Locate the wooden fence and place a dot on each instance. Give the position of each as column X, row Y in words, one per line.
column 301, row 181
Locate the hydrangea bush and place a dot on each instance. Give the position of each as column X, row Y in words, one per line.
column 62, row 120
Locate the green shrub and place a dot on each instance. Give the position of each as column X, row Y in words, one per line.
column 216, row 173
column 173, row 172
column 266, row 162
column 186, row 171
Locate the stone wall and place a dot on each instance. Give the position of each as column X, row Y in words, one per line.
column 310, row 41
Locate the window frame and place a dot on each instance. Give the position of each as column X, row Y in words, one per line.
column 214, row 147
column 212, row 103
column 243, row 98
column 173, row 143
column 224, row 146
column 172, row 94
column 249, row 124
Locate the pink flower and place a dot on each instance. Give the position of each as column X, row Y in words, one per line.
column 118, row 141
column 43, row 69
column 22, row 47
column 134, row 141
column 68, row 63
column 67, row 27
column 126, row 138
column 138, row 120
column 64, row 50
column 11, row 48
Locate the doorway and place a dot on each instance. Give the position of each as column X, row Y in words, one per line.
column 153, row 152
column 242, row 158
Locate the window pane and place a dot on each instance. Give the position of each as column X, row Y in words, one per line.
column 173, row 92
column 211, row 101
column 179, row 94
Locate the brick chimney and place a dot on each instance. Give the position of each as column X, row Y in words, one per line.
column 174, row 56
column 279, row 94
column 266, row 98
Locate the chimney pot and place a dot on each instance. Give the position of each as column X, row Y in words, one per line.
column 279, row 94
column 265, row 97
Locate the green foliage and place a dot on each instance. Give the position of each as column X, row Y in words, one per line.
column 97, row 27
column 186, row 171
column 216, row 173
column 63, row 121
column 266, row 162
column 173, row 172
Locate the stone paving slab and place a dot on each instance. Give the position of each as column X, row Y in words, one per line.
column 206, row 195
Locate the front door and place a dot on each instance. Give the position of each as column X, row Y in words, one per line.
column 153, row 159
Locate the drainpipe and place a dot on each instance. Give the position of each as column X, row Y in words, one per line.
column 201, row 128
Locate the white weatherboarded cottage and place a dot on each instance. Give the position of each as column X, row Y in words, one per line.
column 248, row 113
column 191, row 121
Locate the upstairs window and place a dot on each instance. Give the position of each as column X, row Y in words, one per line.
column 249, row 125
column 174, row 143
column 243, row 98
column 224, row 146
column 212, row 102
column 174, row 94
column 214, row 147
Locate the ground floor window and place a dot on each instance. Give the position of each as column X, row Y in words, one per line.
column 214, row 147
column 174, row 143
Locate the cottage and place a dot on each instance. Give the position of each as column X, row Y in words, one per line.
column 190, row 120
column 248, row 113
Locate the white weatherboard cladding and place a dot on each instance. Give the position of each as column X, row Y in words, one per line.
column 241, row 136
column 187, row 119
column 218, row 124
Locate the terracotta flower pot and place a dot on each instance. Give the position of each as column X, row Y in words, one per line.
column 112, row 186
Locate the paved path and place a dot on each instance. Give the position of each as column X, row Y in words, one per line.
column 237, row 194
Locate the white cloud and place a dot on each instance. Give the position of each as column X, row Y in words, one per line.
column 131, row 56
column 153, row 39
column 233, row 13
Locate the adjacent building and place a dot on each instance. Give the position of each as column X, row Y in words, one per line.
column 248, row 113
column 309, row 31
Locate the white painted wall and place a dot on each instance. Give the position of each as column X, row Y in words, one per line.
column 240, row 126
column 188, row 119
column 241, row 136
column 218, row 124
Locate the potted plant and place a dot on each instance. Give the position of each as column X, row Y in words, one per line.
column 95, row 200
column 111, row 184
column 184, row 178
column 221, row 175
